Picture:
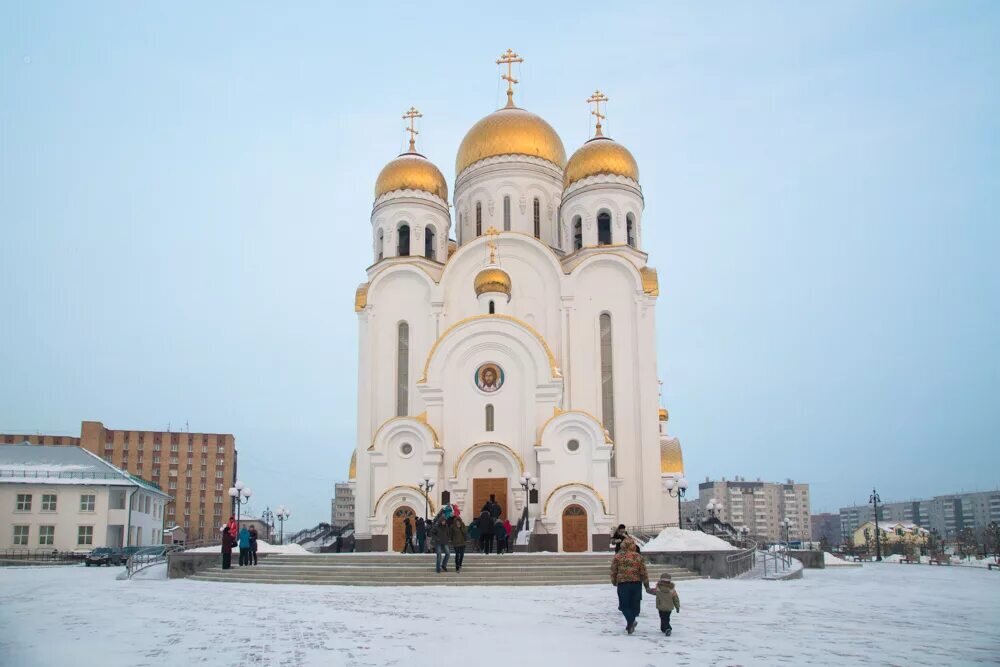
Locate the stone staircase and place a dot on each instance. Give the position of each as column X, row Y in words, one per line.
column 418, row 570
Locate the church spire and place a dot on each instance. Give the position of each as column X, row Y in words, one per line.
column 508, row 59
column 596, row 100
column 412, row 115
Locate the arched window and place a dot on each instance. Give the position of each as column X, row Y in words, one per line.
column 577, row 233
column 537, row 214
column 607, row 381
column 403, row 243
column 506, row 213
column 603, row 228
column 403, row 370
column 479, row 218
column 380, row 245
column 489, row 417
column 430, row 243
column 630, row 229
column 493, row 308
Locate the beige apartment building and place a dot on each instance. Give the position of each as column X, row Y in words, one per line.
column 195, row 469
column 760, row 506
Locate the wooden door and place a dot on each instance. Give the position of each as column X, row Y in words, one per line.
column 399, row 530
column 574, row 529
column 481, row 490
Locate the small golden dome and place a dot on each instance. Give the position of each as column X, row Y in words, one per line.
column 664, row 415
column 600, row 155
column 510, row 131
column 411, row 171
column 492, row 279
column 671, row 457
column 352, row 472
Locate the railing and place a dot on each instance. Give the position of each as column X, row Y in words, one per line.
column 742, row 561
column 149, row 556
column 781, row 560
column 50, row 555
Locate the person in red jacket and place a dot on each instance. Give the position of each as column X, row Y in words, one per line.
column 507, row 528
column 234, row 528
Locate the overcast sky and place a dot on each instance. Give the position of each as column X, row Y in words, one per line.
column 185, row 191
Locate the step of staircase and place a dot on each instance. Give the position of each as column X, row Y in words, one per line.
column 418, row 570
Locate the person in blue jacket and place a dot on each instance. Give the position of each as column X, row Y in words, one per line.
column 244, row 540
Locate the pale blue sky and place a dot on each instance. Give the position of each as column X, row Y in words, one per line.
column 185, row 192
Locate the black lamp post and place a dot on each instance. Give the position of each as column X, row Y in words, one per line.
column 676, row 489
column 241, row 496
column 268, row 517
column 528, row 482
column 875, row 500
column 282, row 515
column 426, row 484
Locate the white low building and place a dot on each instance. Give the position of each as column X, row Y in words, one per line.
column 67, row 499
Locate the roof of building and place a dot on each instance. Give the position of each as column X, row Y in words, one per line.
column 60, row 464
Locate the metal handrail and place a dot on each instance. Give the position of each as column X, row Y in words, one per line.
column 742, row 561
column 39, row 554
column 150, row 556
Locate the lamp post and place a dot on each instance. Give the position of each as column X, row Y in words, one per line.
column 241, row 496
column 426, row 484
column 268, row 518
column 786, row 523
column 676, row 489
column 714, row 508
column 282, row 515
column 528, row 482
column 875, row 500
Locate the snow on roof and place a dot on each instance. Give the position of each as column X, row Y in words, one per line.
column 63, row 464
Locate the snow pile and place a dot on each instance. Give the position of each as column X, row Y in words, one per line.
column 262, row 548
column 833, row 561
column 675, row 539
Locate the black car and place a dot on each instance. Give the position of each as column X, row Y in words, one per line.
column 104, row 556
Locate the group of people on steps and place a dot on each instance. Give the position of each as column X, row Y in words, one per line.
column 245, row 539
column 488, row 532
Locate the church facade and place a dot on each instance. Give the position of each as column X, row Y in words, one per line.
column 518, row 359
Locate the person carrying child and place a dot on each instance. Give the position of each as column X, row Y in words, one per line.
column 667, row 601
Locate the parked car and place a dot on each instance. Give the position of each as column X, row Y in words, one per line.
column 104, row 556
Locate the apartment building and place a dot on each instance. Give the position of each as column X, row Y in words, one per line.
column 947, row 515
column 760, row 506
column 343, row 505
column 195, row 469
column 826, row 526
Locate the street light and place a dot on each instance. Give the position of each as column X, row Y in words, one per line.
column 282, row 514
column 268, row 518
column 714, row 508
column 527, row 482
column 875, row 500
column 676, row 489
column 426, row 484
column 241, row 496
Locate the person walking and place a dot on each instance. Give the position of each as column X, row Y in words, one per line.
column 485, row 530
column 244, row 543
column 408, row 535
column 667, row 601
column 474, row 535
column 493, row 507
column 617, row 537
column 252, row 557
column 499, row 536
column 339, row 543
column 227, row 547
column 441, row 532
column 628, row 574
column 458, row 539
column 421, row 535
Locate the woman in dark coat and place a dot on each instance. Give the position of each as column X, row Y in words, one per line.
column 485, row 530
column 227, row 548
column 253, row 546
column 628, row 574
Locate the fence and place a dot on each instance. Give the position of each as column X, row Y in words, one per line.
column 35, row 555
column 742, row 561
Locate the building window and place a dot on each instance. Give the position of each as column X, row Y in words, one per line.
column 173, row 484
column 48, row 502
column 577, row 233
column 85, row 535
column 607, row 381
column 87, row 502
column 506, row 213
column 218, row 474
column 573, row 445
column 403, row 240
column 46, row 535
column 537, row 214
column 23, row 502
column 603, row 228
column 489, row 417
column 430, row 243
column 630, row 229
column 493, row 308
column 402, row 370
column 379, row 245
column 117, row 500
column 479, row 218
column 21, row 536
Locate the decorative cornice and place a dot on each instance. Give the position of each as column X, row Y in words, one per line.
column 406, row 487
column 556, row 412
column 489, row 442
column 418, row 420
column 545, row 508
column 515, row 159
column 603, row 179
column 425, row 197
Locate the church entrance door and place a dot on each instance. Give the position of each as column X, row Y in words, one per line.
column 481, row 490
column 399, row 530
column 574, row 529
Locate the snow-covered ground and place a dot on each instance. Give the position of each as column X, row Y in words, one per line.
column 872, row 615
column 263, row 548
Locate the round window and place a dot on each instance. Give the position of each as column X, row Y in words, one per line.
column 406, row 449
column 573, row 445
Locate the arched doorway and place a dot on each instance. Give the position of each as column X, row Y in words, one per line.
column 574, row 529
column 398, row 529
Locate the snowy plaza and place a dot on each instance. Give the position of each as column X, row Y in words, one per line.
column 872, row 615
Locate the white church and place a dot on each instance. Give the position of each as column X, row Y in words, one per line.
column 518, row 359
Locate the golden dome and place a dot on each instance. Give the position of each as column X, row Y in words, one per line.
column 510, row 131
column 352, row 472
column 411, row 171
column 492, row 279
column 664, row 415
column 671, row 458
column 600, row 155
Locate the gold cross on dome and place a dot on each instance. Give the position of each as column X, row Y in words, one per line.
column 412, row 115
column 596, row 100
column 491, row 242
column 509, row 58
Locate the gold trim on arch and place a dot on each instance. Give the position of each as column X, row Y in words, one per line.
column 408, row 487
column 553, row 367
column 545, row 508
column 489, row 442
column 556, row 412
column 420, row 419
